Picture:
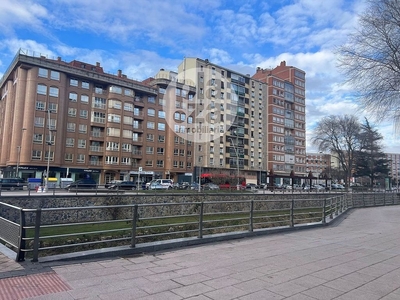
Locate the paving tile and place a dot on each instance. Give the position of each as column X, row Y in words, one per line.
column 287, row 289
column 263, row 294
column 226, row 293
column 192, row 290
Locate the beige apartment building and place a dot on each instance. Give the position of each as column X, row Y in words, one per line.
column 77, row 120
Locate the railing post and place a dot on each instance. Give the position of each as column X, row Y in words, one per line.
column 331, row 208
column 22, row 235
column 324, row 211
column 134, row 225
column 36, row 242
column 201, row 215
column 251, row 215
column 292, row 213
column 336, row 206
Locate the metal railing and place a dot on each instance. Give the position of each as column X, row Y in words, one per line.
column 51, row 231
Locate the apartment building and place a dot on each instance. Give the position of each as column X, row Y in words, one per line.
column 228, row 120
column 286, row 127
column 76, row 120
column 394, row 165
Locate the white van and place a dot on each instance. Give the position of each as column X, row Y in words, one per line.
column 163, row 184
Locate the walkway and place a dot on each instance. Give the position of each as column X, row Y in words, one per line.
column 356, row 259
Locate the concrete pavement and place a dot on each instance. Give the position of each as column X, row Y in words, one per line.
column 359, row 258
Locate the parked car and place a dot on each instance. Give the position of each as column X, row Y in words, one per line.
column 336, row 186
column 110, row 183
column 12, row 184
column 87, row 183
column 165, row 184
column 181, row 185
column 252, row 186
column 210, row 186
column 194, row 186
column 123, row 185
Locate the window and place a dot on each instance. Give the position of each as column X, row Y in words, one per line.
column 49, row 156
column 54, row 75
column 128, row 92
column 150, row 137
column 127, row 148
column 53, row 91
column 85, row 85
column 98, row 117
column 176, row 152
column 68, row 157
column 128, row 106
column 99, row 103
column 42, row 89
column 161, row 126
column 161, row 114
column 72, row 112
column 162, row 90
column 36, row 155
column 82, row 128
column 80, row 158
column 160, row 163
column 182, row 152
column 39, row 122
column 114, row 104
column 71, row 127
column 151, row 112
column 114, row 118
column 73, row 82
column 150, row 125
column 53, row 107
column 149, row 150
column 149, row 163
column 43, row 72
column 81, row 143
column 73, row 97
column 112, row 146
column 84, row 98
column 115, row 89
column 69, row 142
column 175, row 163
column 113, row 132
column 83, row 114
column 52, row 124
column 37, row 138
column 160, row 150
column 125, row 161
column 161, row 138
column 129, row 121
column 151, row 99
column 126, row 133
column 40, row 105
column 98, row 90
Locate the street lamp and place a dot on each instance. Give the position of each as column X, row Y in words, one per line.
column 49, row 142
column 237, row 162
column 19, row 153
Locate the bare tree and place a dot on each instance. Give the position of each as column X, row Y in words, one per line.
column 340, row 135
column 370, row 59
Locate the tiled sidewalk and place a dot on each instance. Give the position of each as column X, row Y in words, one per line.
column 357, row 259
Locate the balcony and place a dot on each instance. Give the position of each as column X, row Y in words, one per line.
column 137, row 153
column 138, row 101
column 96, row 135
column 137, row 127
column 137, row 140
column 95, row 163
column 96, row 149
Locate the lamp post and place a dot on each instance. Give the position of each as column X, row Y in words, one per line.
column 19, row 153
column 49, row 142
column 237, row 163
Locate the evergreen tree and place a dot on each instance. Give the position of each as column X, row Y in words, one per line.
column 371, row 160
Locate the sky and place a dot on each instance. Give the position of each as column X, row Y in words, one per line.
column 141, row 36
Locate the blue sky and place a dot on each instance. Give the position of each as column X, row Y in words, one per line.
column 141, row 36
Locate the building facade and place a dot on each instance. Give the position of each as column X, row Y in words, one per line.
column 75, row 120
column 286, row 127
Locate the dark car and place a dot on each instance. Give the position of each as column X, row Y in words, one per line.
column 123, row 185
column 87, row 183
column 110, row 183
column 12, row 184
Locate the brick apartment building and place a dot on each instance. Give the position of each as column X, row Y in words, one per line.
column 76, row 119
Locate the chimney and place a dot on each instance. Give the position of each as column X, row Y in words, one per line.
column 283, row 63
column 97, row 64
column 119, row 73
column 59, row 58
